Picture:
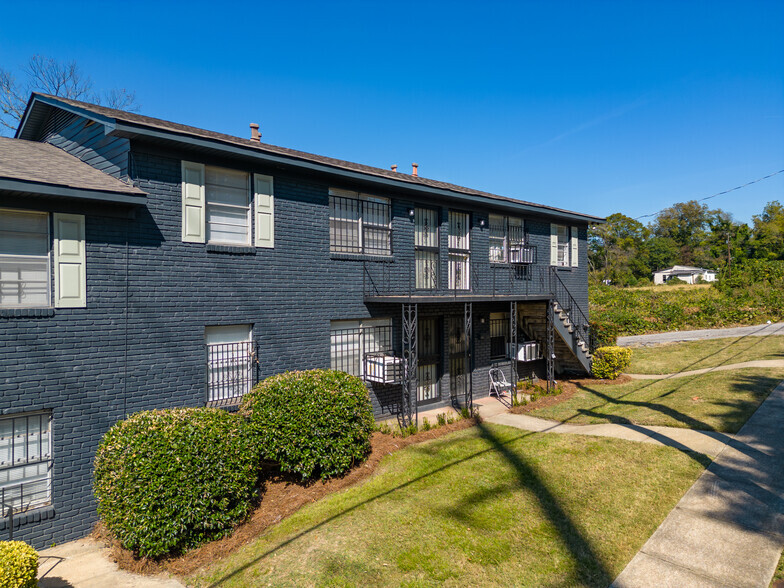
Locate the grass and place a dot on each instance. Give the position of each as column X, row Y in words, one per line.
column 779, row 573
column 716, row 401
column 694, row 355
column 487, row 506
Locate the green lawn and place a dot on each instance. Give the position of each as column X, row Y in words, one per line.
column 779, row 573
column 694, row 355
column 716, row 401
column 486, row 506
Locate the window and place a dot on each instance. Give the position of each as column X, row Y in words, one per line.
column 359, row 223
column 351, row 341
column 227, row 194
column 459, row 251
column 499, row 335
column 25, row 461
column 231, row 360
column 426, row 248
column 563, row 246
column 507, row 240
column 24, row 259
column 429, row 359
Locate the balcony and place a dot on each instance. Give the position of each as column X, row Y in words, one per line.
column 430, row 278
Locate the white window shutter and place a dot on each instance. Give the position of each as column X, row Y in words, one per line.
column 553, row 244
column 193, row 203
column 70, row 278
column 574, row 247
column 265, row 211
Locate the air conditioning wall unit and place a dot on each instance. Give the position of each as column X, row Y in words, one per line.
column 384, row 369
column 526, row 351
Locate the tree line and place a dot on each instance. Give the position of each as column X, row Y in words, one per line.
column 626, row 252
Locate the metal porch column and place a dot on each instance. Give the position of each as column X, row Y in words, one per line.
column 550, row 346
column 513, row 343
column 468, row 354
column 409, row 410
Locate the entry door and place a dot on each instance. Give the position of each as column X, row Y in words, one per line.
column 429, row 360
column 458, row 368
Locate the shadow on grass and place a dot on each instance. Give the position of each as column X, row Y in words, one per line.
column 590, row 569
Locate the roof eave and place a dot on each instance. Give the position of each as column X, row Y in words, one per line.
column 125, row 129
column 37, row 188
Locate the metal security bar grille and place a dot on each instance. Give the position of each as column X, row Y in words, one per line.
column 25, row 461
column 230, row 371
column 499, row 337
column 349, row 346
column 426, row 248
column 360, row 225
column 459, row 251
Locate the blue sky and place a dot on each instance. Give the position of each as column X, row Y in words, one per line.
column 599, row 107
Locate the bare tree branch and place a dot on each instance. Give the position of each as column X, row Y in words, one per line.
column 49, row 76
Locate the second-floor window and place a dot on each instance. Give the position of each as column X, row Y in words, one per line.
column 507, row 239
column 24, row 259
column 459, row 250
column 359, row 223
column 227, row 195
column 426, row 248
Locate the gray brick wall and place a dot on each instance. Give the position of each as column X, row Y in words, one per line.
column 139, row 344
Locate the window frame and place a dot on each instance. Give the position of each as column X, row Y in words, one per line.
column 363, row 203
column 564, row 247
column 47, row 258
column 361, row 329
column 507, row 243
column 43, row 459
column 499, row 321
column 459, row 248
column 427, row 254
column 239, row 354
column 208, row 205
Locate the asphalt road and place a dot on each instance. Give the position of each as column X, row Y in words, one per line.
column 677, row 336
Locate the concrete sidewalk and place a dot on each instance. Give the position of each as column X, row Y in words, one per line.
column 86, row 564
column 707, row 442
column 757, row 363
column 728, row 529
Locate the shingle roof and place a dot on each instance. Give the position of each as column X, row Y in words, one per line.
column 42, row 163
column 185, row 130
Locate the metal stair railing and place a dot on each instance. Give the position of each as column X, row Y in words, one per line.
column 575, row 315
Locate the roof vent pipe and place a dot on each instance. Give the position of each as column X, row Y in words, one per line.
column 255, row 135
column 394, row 167
column 416, row 169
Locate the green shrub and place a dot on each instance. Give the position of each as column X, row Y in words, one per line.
column 169, row 480
column 609, row 362
column 18, row 565
column 314, row 423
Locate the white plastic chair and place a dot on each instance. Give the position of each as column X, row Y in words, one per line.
column 499, row 385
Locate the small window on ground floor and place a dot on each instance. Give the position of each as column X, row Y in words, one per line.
column 351, row 341
column 499, row 335
column 230, row 362
column 25, row 461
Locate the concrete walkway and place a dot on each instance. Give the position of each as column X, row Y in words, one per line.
column 86, row 564
column 758, row 363
column 728, row 529
column 677, row 336
column 707, row 442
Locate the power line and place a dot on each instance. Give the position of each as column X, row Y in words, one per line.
column 721, row 193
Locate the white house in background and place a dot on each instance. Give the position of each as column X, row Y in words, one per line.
column 685, row 273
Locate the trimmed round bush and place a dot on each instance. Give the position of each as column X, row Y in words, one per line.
column 609, row 362
column 314, row 423
column 18, row 565
column 169, row 480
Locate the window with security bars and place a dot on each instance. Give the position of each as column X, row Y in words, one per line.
column 426, row 248
column 459, row 250
column 24, row 259
column 507, row 240
column 351, row 341
column 25, row 461
column 231, row 363
column 359, row 223
column 227, row 195
column 429, row 359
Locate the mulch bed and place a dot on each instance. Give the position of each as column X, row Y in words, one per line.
column 570, row 388
column 282, row 496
